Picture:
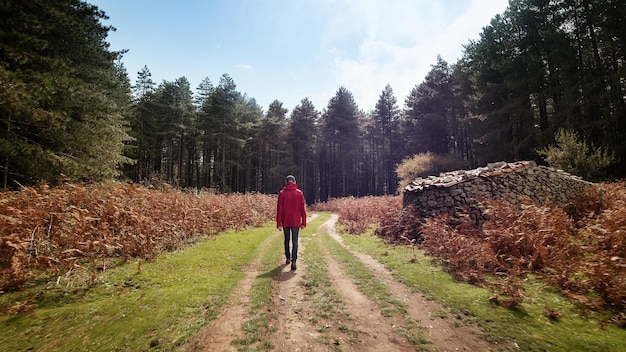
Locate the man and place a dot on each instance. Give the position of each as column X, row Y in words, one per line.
column 291, row 217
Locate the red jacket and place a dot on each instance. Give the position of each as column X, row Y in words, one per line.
column 291, row 211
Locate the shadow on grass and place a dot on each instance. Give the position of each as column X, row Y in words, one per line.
column 278, row 274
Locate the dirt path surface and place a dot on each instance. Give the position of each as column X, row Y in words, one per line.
column 318, row 307
column 219, row 334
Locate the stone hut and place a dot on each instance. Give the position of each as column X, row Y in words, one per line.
column 454, row 191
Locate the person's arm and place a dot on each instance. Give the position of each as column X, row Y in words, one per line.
column 279, row 212
column 303, row 212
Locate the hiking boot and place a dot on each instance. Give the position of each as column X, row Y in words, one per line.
column 287, row 262
column 293, row 265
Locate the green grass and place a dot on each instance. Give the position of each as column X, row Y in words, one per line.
column 160, row 307
column 527, row 326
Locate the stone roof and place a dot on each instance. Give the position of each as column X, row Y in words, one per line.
column 448, row 179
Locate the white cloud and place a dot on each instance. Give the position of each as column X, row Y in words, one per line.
column 380, row 63
column 396, row 42
column 469, row 24
column 244, row 67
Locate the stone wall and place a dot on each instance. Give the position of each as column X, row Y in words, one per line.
column 451, row 192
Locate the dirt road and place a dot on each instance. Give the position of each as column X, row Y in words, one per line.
column 319, row 307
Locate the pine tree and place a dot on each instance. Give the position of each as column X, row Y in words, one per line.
column 302, row 138
column 220, row 125
column 338, row 166
column 143, row 128
column 248, row 114
column 428, row 113
column 386, row 118
column 63, row 96
column 206, row 126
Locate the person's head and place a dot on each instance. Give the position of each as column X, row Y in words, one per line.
column 291, row 179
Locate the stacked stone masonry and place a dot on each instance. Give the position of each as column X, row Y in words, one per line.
column 461, row 191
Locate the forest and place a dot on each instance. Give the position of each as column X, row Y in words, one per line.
column 70, row 112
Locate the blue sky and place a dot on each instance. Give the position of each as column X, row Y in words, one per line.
column 292, row 49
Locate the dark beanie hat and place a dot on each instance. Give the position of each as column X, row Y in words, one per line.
column 291, row 178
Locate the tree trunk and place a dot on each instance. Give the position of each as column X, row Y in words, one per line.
column 5, row 177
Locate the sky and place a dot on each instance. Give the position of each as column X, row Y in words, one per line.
column 288, row 50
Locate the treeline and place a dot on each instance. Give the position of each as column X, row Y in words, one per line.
column 68, row 107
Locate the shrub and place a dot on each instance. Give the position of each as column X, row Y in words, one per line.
column 356, row 215
column 426, row 164
column 401, row 226
column 573, row 155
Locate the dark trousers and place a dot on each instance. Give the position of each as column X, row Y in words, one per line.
column 291, row 233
